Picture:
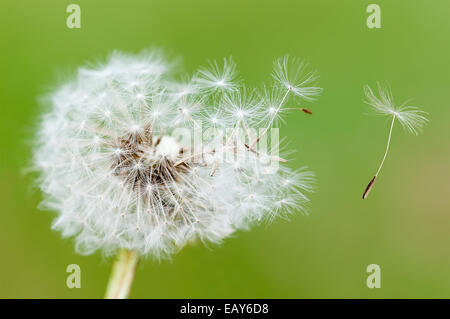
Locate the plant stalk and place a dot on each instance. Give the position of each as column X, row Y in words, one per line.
column 122, row 274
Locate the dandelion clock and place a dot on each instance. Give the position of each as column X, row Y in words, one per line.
column 123, row 167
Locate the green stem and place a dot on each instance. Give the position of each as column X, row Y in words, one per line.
column 122, row 274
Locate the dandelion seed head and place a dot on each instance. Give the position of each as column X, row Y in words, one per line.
column 117, row 178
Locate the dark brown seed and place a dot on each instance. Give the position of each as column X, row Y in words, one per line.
column 369, row 187
column 307, row 111
column 156, row 173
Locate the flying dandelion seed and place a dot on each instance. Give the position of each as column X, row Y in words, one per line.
column 410, row 117
column 120, row 181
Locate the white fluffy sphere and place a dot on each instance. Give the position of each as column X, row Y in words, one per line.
column 119, row 176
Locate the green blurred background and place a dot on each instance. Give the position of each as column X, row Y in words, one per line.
column 404, row 226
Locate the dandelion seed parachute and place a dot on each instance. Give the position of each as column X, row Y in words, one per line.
column 118, row 178
column 410, row 117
